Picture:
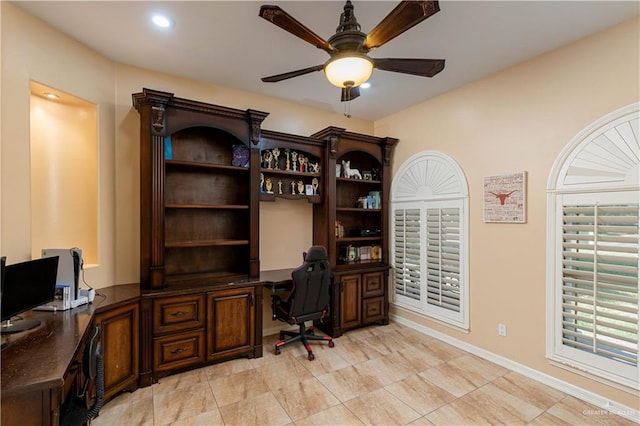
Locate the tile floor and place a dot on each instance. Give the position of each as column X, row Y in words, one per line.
column 379, row 375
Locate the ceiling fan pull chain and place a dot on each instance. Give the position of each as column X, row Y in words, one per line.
column 347, row 109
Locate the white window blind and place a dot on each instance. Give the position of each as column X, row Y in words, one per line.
column 600, row 255
column 406, row 249
column 443, row 258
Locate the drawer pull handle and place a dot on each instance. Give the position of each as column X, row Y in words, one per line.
column 178, row 351
column 178, row 313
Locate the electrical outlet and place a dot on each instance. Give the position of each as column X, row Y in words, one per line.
column 502, row 330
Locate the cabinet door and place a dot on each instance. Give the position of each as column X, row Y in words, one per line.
column 230, row 323
column 350, row 301
column 120, row 348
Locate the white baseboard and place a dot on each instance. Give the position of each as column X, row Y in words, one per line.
column 628, row 413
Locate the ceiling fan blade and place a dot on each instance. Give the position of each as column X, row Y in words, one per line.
column 421, row 67
column 279, row 17
column 349, row 93
column 404, row 16
column 291, row 74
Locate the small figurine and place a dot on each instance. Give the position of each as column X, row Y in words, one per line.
column 280, row 187
column 348, row 172
column 276, row 155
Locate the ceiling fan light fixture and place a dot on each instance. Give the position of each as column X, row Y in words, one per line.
column 350, row 69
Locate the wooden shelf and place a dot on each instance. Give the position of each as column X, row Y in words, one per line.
column 355, row 265
column 205, row 278
column 203, row 166
column 289, row 173
column 265, row 196
column 357, row 209
column 348, row 240
column 208, row 206
column 209, row 243
column 358, row 181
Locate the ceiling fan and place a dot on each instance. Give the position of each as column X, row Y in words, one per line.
column 349, row 65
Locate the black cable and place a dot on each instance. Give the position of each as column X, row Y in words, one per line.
column 99, row 381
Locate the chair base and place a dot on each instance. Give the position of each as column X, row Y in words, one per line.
column 304, row 335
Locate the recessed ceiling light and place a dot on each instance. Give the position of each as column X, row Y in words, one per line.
column 52, row 96
column 365, row 85
column 161, row 21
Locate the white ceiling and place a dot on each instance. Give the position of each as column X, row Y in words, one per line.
column 226, row 42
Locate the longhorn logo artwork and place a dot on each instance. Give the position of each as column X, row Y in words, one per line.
column 504, row 198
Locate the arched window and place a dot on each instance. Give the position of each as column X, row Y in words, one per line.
column 593, row 251
column 429, row 204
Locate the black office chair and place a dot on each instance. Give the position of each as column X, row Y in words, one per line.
column 307, row 301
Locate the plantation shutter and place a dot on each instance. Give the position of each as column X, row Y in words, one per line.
column 443, row 258
column 600, row 255
column 406, row 227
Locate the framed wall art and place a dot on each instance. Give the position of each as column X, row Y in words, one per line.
column 505, row 198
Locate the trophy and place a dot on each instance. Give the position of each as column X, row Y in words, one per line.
column 302, row 160
column 286, row 153
column 269, row 185
column 301, row 187
column 294, row 160
column 276, row 154
column 280, row 187
column 314, row 184
column 267, row 158
column 261, row 182
column 293, row 188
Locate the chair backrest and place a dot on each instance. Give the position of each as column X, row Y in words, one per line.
column 312, row 280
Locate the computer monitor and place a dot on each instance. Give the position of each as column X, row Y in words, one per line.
column 26, row 285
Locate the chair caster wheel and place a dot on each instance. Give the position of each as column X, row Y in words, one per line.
column 311, row 357
column 331, row 344
column 277, row 351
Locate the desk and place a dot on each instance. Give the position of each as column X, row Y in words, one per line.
column 277, row 279
column 39, row 366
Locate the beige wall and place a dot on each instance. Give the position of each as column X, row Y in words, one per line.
column 64, row 176
column 33, row 51
column 516, row 120
column 520, row 120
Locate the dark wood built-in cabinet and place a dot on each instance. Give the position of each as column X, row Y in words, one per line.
column 199, row 198
column 203, row 171
column 353, row 225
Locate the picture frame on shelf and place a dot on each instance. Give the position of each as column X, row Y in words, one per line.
column 308, row 189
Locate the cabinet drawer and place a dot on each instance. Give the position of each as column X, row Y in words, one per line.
column 182, row 350
column 372, row 284
column 178, row 313
column 372, row 309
